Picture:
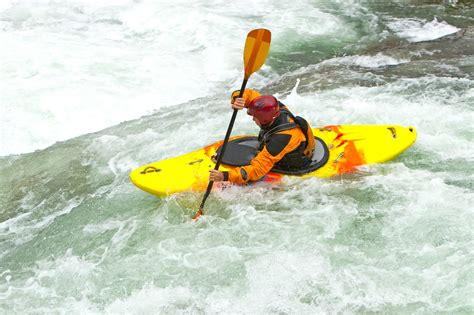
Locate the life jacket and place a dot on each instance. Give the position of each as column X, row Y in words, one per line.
column 286, row 121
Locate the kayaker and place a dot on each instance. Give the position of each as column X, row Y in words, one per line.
column 285, row 141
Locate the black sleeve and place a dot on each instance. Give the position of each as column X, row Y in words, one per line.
column 277, row 143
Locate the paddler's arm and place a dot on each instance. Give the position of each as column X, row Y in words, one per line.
column 280, row 144
column 236, row 103
column 259, row 167
column 241, row 103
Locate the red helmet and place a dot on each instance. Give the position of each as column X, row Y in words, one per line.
column 265, row 108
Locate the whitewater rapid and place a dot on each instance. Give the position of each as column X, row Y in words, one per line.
column 72, row 68
column 91, row 90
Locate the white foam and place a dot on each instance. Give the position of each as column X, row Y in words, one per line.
column 276, row 283
column 418, row 30
column 55, row 281
column 376, row 61
column 24, row 226
column 153, row 300
column 77, row 67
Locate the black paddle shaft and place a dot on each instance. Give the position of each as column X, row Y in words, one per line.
column 224, row 145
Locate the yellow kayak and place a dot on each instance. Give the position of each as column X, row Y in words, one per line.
column 339, row 149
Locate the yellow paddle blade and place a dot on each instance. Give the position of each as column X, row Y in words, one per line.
column 256, row 50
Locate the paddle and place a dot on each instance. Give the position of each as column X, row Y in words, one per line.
column 256, row 50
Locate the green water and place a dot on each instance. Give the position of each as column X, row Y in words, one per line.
column 77, row 237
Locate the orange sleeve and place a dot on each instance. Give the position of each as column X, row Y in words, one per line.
column 249, row 95
column 264, row 161
column 259, row 166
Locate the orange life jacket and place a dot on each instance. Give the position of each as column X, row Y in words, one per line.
column 287, row 143
column 287, row 121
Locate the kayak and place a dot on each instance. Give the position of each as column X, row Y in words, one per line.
column 339, row 149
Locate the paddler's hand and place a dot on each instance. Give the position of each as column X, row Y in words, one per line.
column 238, row 103
column 216, row 176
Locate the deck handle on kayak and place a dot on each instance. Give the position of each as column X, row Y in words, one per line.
column 196, row 161
column 393, row 131
column 339, row 157
column 150, row 169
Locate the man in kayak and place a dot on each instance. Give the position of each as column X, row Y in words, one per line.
column 285, row 141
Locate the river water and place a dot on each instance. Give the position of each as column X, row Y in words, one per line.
column 90, row 90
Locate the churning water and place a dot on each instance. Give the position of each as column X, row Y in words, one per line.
column 77, row 237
